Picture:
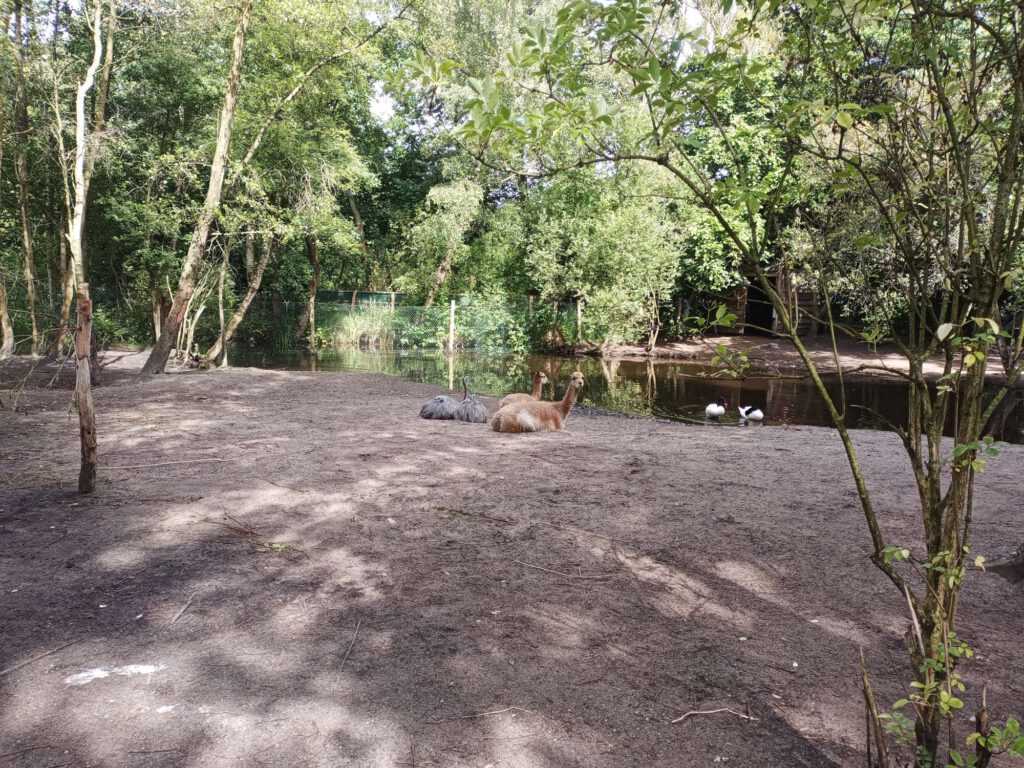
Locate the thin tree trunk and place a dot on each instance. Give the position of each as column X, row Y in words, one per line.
column 186, row 283
column 6, row 328
column 254, row 286
column 99, row 112
column 358, row 219
column 83, row 381
column 308, row 318
column 21, row 171
column 250, row 254
column 156, row 302
column 68, row 296
column 220, row 302
column 440, row 275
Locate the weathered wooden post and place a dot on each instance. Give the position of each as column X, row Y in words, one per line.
column 392, row 301
column 451, row 328
column 354, row 295
column 83, row 393
column 579, row 320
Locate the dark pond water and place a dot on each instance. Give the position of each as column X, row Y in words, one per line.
column 670, row 390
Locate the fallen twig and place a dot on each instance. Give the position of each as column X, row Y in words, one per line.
column 151, row 751
column 695, row 712
column 566, row 575
column 163, row 464
column 40, row 656
column 577, row 530
column 18, row 752
column 351, row 644
column 502, row 520
column 184, row 608
column 59, row 538
column 286, row 487
column 248, row 530
column 482, row 714
column 244, row 526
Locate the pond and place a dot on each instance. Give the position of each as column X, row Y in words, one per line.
column 662, row 389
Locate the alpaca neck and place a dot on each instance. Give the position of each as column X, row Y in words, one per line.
column 567, row 402
column 536, row 387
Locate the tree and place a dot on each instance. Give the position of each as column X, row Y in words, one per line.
column 919, row 110
column 21, row 170
column 83, row 335
column 437, row 240
column 197, row 247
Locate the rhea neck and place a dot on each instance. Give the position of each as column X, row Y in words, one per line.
column 465, row 390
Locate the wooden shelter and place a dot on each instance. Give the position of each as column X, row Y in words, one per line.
column 756, row 316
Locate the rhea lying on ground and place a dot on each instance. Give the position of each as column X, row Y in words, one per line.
column 539, row 380
column 470, row 409
column 537, row 415
column 443, row 406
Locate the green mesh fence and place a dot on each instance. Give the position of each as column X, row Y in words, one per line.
column 376, row 324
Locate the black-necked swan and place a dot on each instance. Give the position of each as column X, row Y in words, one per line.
column 716, row 409
column 751, row 413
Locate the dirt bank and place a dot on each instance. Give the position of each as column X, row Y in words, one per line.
column 335, row 582
column 777, row 355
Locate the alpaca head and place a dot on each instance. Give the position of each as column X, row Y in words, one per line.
column 576, row 381
column 543, row 376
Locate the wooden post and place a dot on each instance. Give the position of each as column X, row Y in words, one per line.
column 579, row 320
column 83, row 394
column 354, row 295
column 392, row 301
column 220, row 306
column 451, row 328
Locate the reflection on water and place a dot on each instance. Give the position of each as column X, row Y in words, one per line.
column 670, row 390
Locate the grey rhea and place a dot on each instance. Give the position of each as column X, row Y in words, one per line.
column 470, row 409
column 440, row 407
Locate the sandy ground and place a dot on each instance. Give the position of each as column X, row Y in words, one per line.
column 335, row 582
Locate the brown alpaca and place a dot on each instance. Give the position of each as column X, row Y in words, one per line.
column 537, row 415
column 539, row 380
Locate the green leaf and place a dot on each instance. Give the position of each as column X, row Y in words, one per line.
column 845, row 120
column 944, row 330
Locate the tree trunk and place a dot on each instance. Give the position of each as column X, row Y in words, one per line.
column 83, row 334
column 220, row 303
column 440, row 275
column 250, row 254
column 186, row 283
column 21, row 171
column 358, row 222
column 6, row 329
column 157, row 308
column 83, row 393
column 99, row 111
column 67, row 297
column 254, row 286
column 308, row 318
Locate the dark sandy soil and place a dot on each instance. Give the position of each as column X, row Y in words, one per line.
column 335, row 582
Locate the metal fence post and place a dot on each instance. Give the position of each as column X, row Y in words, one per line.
column 451, row 328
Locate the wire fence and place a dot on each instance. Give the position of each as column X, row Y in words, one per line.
column 380, row 325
